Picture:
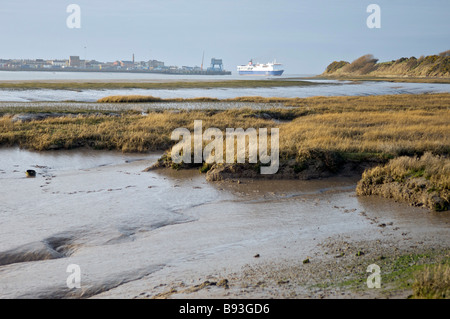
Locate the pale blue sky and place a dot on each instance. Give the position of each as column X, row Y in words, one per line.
column 304, row 35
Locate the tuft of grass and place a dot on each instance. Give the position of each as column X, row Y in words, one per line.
column 423, row 181
column 205, row 167
column 422, row 274
column 435, row 168
column 433, row 282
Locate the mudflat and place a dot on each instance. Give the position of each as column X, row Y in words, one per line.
column 172, row 234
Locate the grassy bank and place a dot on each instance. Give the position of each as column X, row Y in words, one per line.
column 317, row 105
column 98, row 85
column 433, row 282
column 125, row 131
column 409, row 79
column 385, row 125
column 432, row 66
column 424, row 274
column 152, row 99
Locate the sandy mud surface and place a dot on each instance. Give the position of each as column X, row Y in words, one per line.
column 172, row 234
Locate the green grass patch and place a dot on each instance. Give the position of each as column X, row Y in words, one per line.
column 416, row 172
column 399, row 273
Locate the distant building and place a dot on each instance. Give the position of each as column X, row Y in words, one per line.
column 35, row 64
column 59, row 63
column 124, row 64
column 74, row 61
column 93, row 64
column 155, row 64
column 119, row 65
column 108, row 65
column 127, row 64
column 216, row 65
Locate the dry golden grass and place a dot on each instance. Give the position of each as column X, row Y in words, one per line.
column 393, row 125
column 319, row 104
column 422, row 181
column 433, row 283
column 394, row 133
column 380, row 103
column 128, row 133
column 434, row 168
column 429, row 66
column 151, row 99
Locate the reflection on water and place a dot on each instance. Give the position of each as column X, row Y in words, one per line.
column 124, row 76
column 328, row 88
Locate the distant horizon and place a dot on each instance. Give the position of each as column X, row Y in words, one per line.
column 304, row 36
column 206, row 63
column 173, row 65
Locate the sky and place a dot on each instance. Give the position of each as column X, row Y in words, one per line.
column 304, row 35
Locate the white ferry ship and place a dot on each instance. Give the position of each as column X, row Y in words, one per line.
column 271, row 68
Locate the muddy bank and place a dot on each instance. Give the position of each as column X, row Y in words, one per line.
column 331, row 263
column 287, row 170
column 338, row 270
column 414, row 187
column 136, row 233
column 318, row 164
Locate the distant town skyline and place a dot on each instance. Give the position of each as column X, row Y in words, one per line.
column 76, row 64
column 303, row 35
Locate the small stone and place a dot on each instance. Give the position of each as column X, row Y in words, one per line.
column 256, row 256
column 306, row 261
column 31, row 173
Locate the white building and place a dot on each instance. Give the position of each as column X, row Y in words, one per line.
column 59, row 63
